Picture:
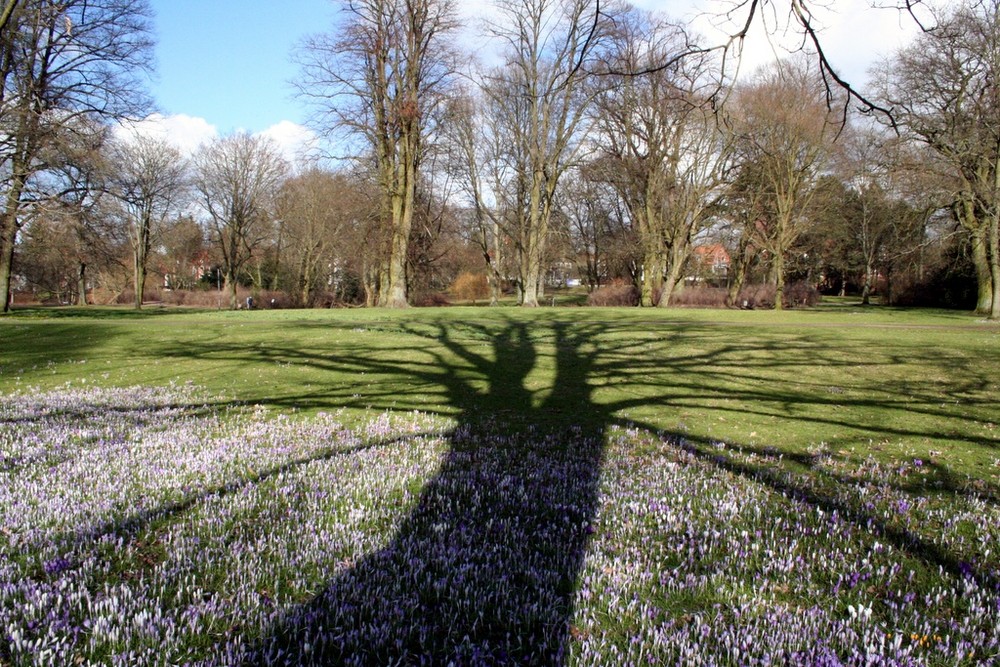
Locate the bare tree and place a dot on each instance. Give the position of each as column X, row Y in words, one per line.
column 744, row 206
column 82, row 230
column 783, row 130
column 65, row 67
column 538, row 99
column 320, row 210
column 237, row 178
column 380, row 78
column 148, row 177
column 884, row 208
column 591, row 207
column 661, row 146
column 479, row 159
column 183, row 251
column 945, row 94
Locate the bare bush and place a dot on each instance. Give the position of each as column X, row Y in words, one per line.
column 700, row 297
column 752, row 296
column 430, row 300
column 618, row 293
column 801, row 294
column 470, row 287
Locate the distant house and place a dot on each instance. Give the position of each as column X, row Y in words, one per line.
column 708, row 263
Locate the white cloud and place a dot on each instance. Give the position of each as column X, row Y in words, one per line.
column 297, row 142
column 185, row 132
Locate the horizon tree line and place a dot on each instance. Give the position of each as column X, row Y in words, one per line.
column 604, row 136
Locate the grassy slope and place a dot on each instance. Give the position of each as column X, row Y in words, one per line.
column 896, row 384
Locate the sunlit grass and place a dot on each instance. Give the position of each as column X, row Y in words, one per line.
column 893, row 383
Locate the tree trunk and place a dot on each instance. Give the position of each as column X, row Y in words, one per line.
column 778, row 272
column 230, row 286
column 496, row 286
column 81, row 285
column 392, row 284
column 674, row 272
column 305, row 282
column 866, row 291
column 738, row 271
column 277, row 258
column 994, row 256
column 529, row 282
column 8, row 235
column 531, row 262
column 370, row 283
column 673, row 277
column 395, row 293
column 652, row 276
column 981, row 261
column 139, row 274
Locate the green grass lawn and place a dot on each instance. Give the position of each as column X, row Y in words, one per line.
column 895, row 384
column 561, row 485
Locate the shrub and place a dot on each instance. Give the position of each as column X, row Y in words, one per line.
column 700, row 297
column 618, row 293
column 470, row 287
column 943, row 288
column 430, row 299
column 197, row 298
column 797, row 294
column 756, row 296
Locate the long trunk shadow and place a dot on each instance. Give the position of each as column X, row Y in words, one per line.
column 483, row 570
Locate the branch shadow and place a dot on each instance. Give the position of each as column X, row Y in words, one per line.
column 861, row 515
column 484, row 568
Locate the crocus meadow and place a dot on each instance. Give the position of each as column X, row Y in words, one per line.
column 154, row 526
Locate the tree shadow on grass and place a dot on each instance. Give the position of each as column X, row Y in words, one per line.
column 827, row 492
column 483, row 569
column 32, row 347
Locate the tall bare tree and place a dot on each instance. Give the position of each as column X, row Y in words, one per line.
column 591, row 208
column 660, row 142
column 183, row 250
column 945, row 94
column 538, row 98
column 319, row 210
column 381, row 78
column 75, row 218
column 65, row 67
column 479, row 159
column 783, row 131
column 237, row 178
column 148, row 177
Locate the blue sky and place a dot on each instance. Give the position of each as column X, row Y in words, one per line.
column 225, row 65
column 228, row 61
